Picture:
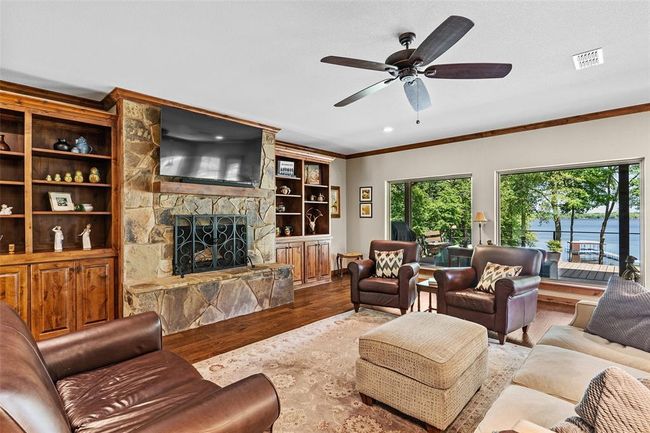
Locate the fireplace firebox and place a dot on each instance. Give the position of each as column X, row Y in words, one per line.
column 205, row 243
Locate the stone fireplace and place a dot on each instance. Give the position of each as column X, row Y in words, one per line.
column 204, row 243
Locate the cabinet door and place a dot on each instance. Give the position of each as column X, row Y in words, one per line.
column 296, row 251
column 52, row 299
column 324, row 260
column 13, row 288
column 95, row 292
column 311, row 261
column 282, row 254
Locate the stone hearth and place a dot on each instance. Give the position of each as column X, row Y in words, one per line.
column 201, row 299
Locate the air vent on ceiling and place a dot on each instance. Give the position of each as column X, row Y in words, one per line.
column 588, row 59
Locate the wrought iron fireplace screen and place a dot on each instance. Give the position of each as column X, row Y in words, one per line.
column 209, row 242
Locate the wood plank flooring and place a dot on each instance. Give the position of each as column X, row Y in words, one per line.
column 310, row 305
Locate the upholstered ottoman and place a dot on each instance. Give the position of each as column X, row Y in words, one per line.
column 424, row 365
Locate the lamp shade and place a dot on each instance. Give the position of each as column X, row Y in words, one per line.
column 480, row 217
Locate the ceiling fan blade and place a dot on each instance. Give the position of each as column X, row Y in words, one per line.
column 357, row 63
column 463, row 71
column 365, row 92
column 441, row 39
column 417, row 94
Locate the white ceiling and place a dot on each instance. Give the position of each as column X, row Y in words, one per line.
column 260, row 60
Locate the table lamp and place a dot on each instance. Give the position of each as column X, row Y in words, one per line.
column 480, row 218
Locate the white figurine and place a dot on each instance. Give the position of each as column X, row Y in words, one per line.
column 58, row 239
column 85, row 238
column 5, row 210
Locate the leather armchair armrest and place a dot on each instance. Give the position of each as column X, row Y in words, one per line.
column 450, row 279
column 102, row 345
column 360, row 269
column 514, row 286
column 583, row 312
column 250, row 405
column 408, row 271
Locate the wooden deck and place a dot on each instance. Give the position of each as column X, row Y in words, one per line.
column 586, row 271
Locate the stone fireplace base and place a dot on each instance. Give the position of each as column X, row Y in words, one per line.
column 201, row 299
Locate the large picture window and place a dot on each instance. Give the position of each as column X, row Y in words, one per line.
column 587, row 219
column 435, row 212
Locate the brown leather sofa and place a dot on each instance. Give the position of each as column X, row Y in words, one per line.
column 115, row 378
column 514, row 303
column 397, row 292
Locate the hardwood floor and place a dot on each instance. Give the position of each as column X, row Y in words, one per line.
column 310, row 305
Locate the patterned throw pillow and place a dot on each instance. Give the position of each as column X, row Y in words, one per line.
column 623, row 314
column 614, row 402
column 494, row 272
column 388, row 263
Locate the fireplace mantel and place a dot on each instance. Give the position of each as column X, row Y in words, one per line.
column 212, row 190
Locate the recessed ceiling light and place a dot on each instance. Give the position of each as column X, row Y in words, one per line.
column 388, row 129
column 588, row 59
column 218, row 137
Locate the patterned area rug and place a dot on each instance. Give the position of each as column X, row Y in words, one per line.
column 313, row 370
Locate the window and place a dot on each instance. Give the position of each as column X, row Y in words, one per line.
column 587, row 219
column 435, row 212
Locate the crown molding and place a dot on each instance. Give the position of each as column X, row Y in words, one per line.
column 35, row 92
column 622, row 111
column 310, row 150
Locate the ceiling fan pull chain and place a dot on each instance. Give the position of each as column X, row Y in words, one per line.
column 417, row 120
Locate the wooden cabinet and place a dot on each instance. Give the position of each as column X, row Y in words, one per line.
column 324, row 271
column 317, row 261
column 13, row 288
column 291, row 254
column 71, row 295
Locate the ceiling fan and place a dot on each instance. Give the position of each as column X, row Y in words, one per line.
column 405, row 64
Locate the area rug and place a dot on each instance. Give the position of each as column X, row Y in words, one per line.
column 313, row 370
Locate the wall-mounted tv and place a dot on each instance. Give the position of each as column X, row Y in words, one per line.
column 200, row 148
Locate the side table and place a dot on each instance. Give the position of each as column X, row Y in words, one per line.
column 349, row 256
column 430, row 287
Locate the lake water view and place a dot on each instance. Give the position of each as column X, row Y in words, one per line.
column 588, row 229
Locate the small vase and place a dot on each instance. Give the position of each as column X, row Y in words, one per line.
column 3, row 143
column 61, row 145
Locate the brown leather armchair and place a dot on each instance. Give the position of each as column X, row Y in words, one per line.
column 514, row 303
column 115, row 378
column 397, row 292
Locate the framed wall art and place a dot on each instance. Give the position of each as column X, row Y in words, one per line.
column 365, row 194
column 335, row 201
column 365, row 210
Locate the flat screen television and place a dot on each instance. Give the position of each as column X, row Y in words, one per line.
column 204, row 149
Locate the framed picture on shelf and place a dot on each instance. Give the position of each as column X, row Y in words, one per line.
column 61, row 201
column 286, row 168
column 335, row 201
column 312, row 174
column 365, row 210
column 365, row 193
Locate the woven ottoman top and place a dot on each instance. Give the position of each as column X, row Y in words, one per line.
column 433, row 349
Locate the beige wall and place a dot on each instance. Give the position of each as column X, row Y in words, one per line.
column 338, row 228
column 612, row 139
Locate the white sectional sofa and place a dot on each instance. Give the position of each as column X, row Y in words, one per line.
column 555, row 375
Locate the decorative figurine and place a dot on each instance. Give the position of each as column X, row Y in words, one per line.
column 58, row 239
column 277, row 231
column 3, row 143
column 312, row 216
column 5, row 210
column 12, row 248
column 631, row 272
column 68, row 177
column 280, row 208
column 78, row 177
column 320, row 197
column 85, row 238
column 57, row 177
column 61, row 145
column 288, row 230
column 48, row 178
column 285, row 190
column 81, row 146
column 94, row 175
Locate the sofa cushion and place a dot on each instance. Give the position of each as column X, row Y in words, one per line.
column 433, row 349
column 133, row 386
column 387, row 263
column 470, row 299
column 623, row 314
column 389, row 286
column 563, row 373
column 518, row 402
column 573, row 338
column 494, row 272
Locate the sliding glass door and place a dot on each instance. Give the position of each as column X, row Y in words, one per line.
column 587, row 219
